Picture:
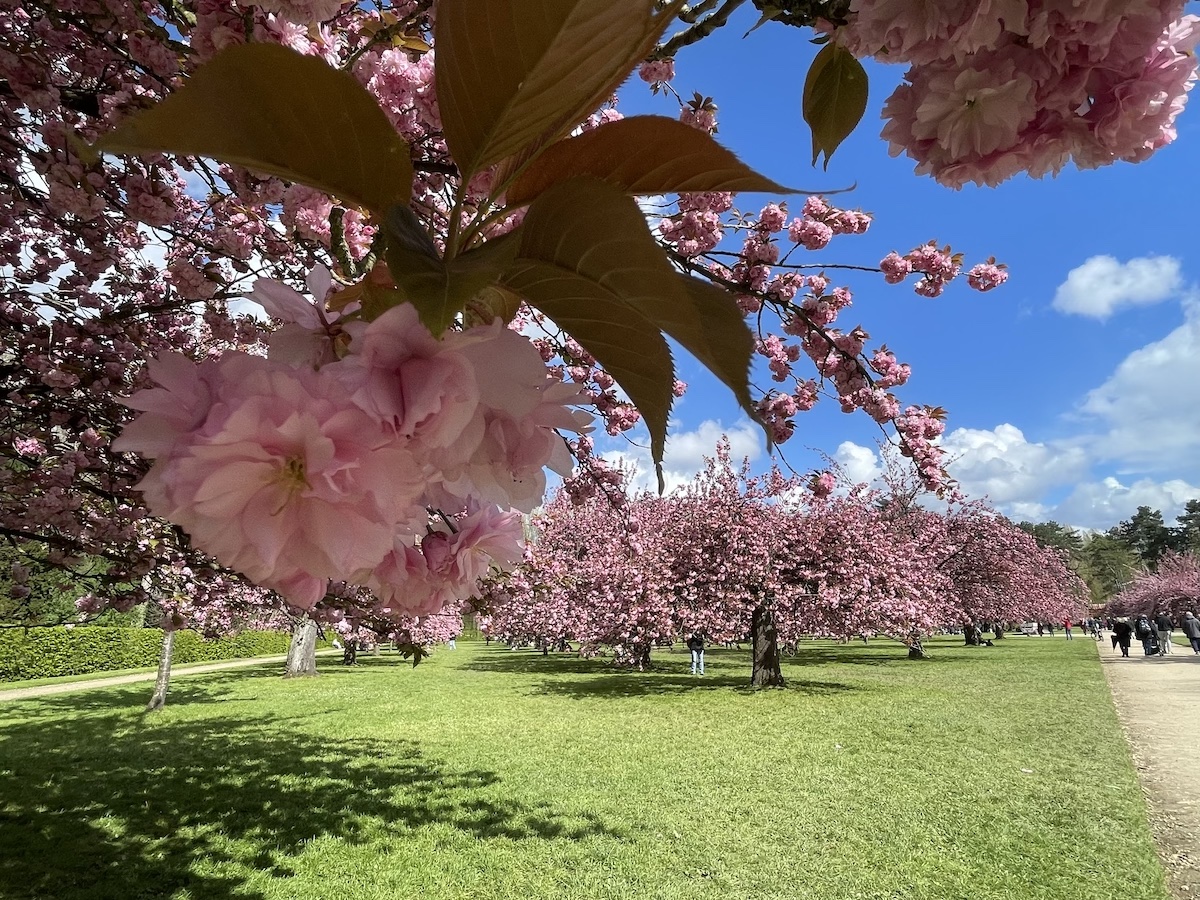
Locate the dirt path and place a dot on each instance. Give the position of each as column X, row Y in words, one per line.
column 1158, row 702
column 47, row 689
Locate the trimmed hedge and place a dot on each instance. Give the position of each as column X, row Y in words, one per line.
column 49, row 652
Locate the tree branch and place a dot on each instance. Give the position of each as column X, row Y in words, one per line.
column 698, row 30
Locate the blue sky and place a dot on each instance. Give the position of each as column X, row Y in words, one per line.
column 1071, row 389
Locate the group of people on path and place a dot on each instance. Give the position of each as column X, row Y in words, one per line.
column 1155, row 633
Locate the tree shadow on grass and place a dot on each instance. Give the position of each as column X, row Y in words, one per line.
column 644, row 684
column 857, row 654
column 530, row 662
column 103, row 804
column 669, row 673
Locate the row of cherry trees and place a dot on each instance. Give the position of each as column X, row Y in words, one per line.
column 1172, row 587
column 734, row 556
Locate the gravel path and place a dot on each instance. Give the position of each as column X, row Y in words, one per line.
column 1158, row 702
column 47, row 689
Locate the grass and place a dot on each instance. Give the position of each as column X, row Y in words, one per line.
column 983, row 773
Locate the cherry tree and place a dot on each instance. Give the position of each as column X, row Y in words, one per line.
column 1174, row 586
column 720, row 542
column 586, row 577
column 1001, row 574
column 413, row 636
column 869, row 573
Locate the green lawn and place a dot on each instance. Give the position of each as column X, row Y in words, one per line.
column 983, row 773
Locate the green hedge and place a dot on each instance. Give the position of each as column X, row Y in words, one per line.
column 49, row 652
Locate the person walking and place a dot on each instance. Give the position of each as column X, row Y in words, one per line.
column 1164, row 626
column 1191, row 628
column 1122, row 635
column 1067, row 628
column 1144, row 629
column 696, row 644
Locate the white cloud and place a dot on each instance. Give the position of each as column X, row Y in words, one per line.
column 1102, row 504
column 1007, row 469
column 1103, row 284
column 685, row 453
column 1148, row 405
column 858, row 463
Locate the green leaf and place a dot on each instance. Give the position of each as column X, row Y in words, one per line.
column 440, row 290
column 512, row 74
column 713, row 330
column 625, row 343
column 835, row 98
column 594, row 231
column 642, row 155
column 276, row 111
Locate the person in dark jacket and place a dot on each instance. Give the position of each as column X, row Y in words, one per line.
column 696, row 645
column 1164, row 626
column 1191, row 627
column 1143, row 629
column 1122, row 635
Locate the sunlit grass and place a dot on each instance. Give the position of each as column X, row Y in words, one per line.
column 485, row 773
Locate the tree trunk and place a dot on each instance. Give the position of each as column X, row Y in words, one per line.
column 764, row 650
column 302, row 654
column 916, row 651
column 997, row 632
column 159, row 698
column 350, row 653
column 971, row 634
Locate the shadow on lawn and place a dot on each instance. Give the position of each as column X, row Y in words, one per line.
column 669, row 673
column 854, row 654
column 112, row 805
column 643, row 684
column 531, row 662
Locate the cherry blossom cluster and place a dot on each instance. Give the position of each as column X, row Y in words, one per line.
column 567, row 360
column 807, row 307
column 392, row 466
column 995, row 89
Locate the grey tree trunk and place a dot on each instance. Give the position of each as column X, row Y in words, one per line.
column 302, row 654
column 916, row 651
column 971, row 634
column 766, row 671
column 159, row 698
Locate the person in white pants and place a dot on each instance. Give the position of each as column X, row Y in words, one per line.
column 696, row 645
column 1164, row 627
